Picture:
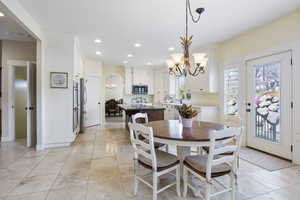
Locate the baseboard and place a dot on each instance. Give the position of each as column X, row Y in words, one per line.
column 56, row 145
column 6, row 139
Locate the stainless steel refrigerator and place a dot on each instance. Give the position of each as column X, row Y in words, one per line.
column 83, row 101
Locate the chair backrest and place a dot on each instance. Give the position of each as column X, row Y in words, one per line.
column 136, row 118
column 228, row 152
column 142, row 147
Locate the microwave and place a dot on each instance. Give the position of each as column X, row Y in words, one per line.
column 139, row 89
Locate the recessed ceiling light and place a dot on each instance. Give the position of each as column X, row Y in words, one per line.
column 137, row 45
column 98, row 52
column 125, row 62
column 2, row 14
column 171, row 49
column 97, row 41
column 149, row 63
column 130, row 55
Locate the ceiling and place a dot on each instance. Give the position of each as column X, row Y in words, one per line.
column 156, row 24
column 11, row 30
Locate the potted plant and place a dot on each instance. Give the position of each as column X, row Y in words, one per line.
column 187, row 114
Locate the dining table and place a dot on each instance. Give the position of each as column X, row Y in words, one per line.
column 172, row 132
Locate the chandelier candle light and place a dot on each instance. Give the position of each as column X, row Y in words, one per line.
column 180, row 64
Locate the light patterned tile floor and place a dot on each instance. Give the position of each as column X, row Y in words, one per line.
column 99, row 167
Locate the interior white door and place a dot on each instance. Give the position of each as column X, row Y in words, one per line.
column 93, row 105
column 31, row 104
column 269, row 104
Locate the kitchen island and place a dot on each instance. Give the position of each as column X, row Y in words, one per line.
column 155, row 113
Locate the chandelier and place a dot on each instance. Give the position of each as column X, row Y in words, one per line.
column 180, row 64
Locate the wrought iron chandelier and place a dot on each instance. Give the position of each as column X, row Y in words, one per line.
column 180, row 64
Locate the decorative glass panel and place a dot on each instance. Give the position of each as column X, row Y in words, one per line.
column 267, row 101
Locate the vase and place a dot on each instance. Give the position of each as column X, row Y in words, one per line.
column 187, row 123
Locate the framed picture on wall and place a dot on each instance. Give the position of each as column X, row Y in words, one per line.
column 59, row 80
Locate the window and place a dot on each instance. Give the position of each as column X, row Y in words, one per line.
column 231, row 91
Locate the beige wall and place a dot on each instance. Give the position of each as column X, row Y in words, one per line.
column 20, row 102
column 13, row 50
column 278, row 32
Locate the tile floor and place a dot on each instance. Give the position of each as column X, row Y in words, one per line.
column 99, row 167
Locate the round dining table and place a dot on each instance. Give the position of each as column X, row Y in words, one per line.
column 171, row 132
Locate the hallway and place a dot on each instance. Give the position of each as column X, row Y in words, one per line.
column 99, row 167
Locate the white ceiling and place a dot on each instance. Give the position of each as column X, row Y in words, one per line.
column 11, row 30
column 156, row 24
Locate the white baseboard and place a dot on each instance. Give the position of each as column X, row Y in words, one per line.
column 56, row 145
column 6, row 139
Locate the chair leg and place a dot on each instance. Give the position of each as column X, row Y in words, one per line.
column 167, row 148
column 207, row 191
column 155, row 178
column 233, row 186
column 178, row 180
column 136, row 185
column 185, row 182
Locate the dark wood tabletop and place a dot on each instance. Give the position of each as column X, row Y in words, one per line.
column 173, row 130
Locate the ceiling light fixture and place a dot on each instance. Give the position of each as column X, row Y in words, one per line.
column 97, row 41
column 149, row 63
column 130, row 55
column 171, row 49
column 137, row 45
column 180, row 65
column 2, row 14
column 98, row 53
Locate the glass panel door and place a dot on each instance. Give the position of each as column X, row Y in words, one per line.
column 269, row 111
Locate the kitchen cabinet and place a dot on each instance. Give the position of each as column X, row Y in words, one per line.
column 142, row 76
column 171, row 112
column 207, row 114
column 197, row 84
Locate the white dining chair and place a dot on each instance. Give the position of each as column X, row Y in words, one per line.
column 215, row 164
column 159, row 162
column 143, row 118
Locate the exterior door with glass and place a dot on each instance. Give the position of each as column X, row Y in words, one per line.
column 269, row 104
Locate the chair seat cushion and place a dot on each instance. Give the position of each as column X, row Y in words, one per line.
column 164, row 160
column 198, row 164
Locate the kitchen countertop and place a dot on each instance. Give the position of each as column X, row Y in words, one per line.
column 193, row 105
column 140, row 107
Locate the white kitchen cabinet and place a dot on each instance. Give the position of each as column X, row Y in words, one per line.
column 207, row 114
column 171, row 112
column 197, row 84
column 128, row 80
column 142, row 76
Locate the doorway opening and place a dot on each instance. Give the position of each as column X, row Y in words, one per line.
column 114, row 96
column 22, row 102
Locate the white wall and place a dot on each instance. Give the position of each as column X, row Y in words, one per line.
column 12, row 50
column 281, row 35
column 57, row 104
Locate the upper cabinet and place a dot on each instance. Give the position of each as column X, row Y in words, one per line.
column 207, row 82
column 139, row 76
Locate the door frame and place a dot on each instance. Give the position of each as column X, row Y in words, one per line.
column 294, row 47
column 12, row 64
column 249, row 116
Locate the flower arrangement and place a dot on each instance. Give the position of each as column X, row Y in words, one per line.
column 187, row 112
